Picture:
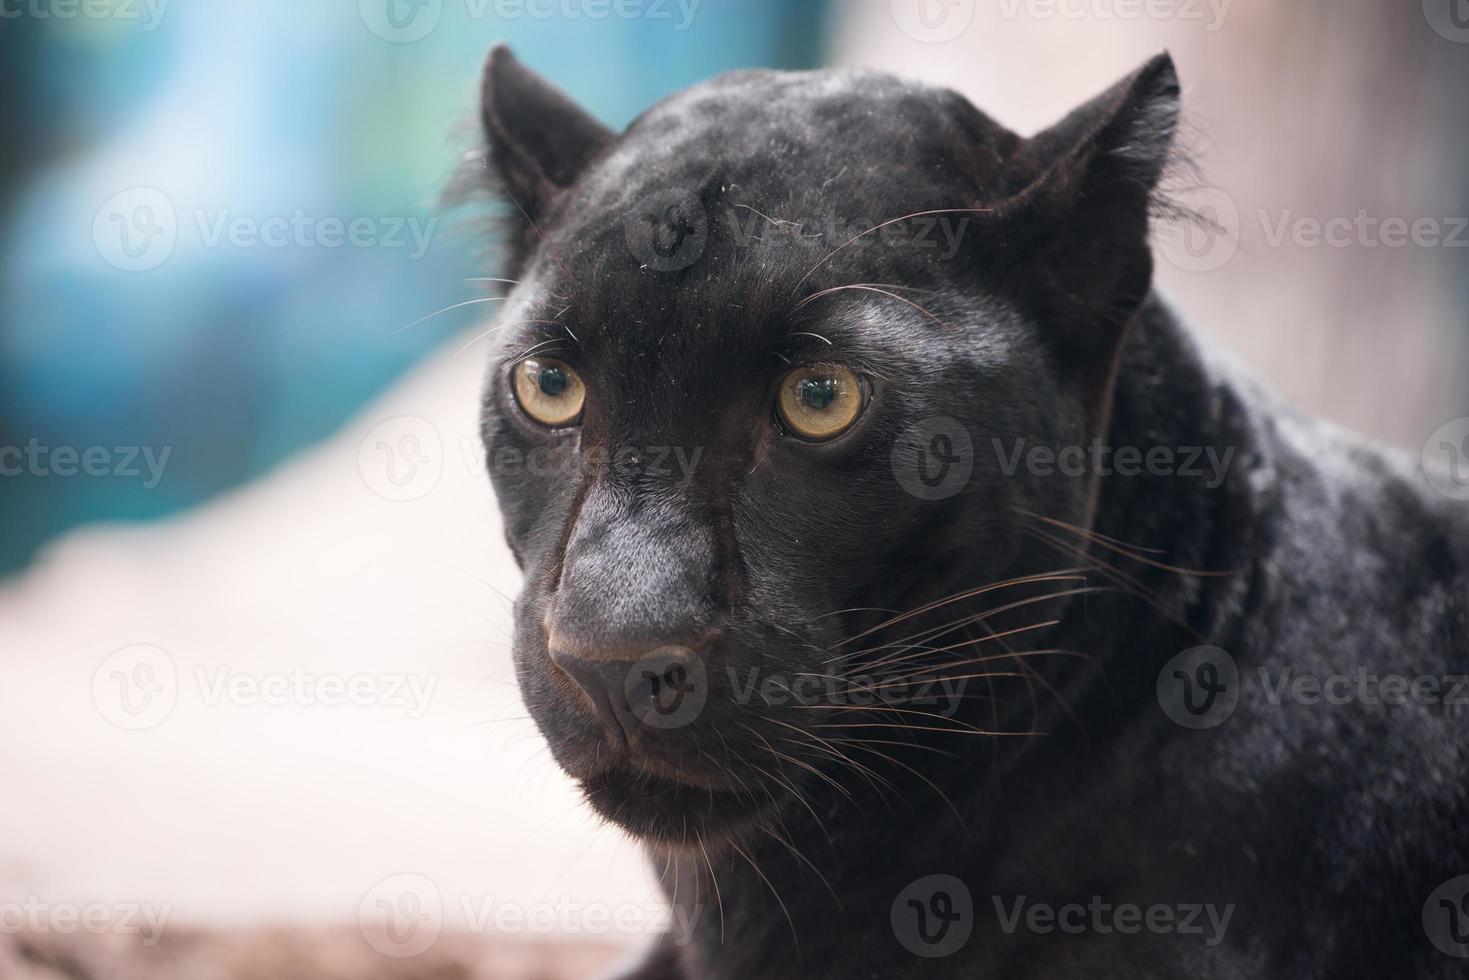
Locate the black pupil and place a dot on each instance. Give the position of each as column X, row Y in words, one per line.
column 553, row 381
column 819, row 393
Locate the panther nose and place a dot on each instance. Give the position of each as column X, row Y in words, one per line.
column 664, row 688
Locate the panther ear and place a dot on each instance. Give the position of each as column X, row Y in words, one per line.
column 1081, row 223
column 539, row 140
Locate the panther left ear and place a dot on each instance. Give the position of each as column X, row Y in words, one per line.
column 1081, row 222
column 539, row 140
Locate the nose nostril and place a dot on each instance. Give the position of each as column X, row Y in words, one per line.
column 663, row 689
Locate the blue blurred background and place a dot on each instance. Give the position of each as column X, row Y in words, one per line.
column 179, row 189
column 217, row 219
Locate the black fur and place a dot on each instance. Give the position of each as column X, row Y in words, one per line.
column 1323, row 827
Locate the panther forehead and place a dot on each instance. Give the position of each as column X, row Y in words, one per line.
column 799, row 146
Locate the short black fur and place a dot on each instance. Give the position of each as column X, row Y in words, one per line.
column 681, row 267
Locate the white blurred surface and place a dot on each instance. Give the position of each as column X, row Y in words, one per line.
column 235, row 811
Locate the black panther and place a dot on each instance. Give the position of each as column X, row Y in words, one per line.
column 918, row 590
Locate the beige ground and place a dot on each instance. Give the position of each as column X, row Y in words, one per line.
column 293, row 955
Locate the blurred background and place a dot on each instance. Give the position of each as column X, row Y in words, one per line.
column 254, row 596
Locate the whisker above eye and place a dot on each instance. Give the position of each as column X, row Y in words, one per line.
column 878, row 227
column 492, row 330
column 535, row 349
column 455, row 306
column 871, row 289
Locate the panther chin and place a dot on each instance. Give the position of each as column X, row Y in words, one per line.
column 674, row 810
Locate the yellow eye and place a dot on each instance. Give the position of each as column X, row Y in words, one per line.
column 548, row 391
column 820, row 402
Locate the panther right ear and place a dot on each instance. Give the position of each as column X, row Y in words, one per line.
column 539, row 140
